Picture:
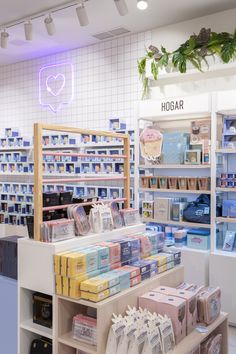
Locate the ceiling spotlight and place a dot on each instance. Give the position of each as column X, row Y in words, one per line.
column 28, row 31
column 82, row 15
column 121, row 7
column 4, row 39
column 50, row 25
column 142, row 4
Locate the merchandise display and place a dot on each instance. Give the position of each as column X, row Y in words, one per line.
column 104, row 269
column 181, row 183
column 178, row 209
column 139, row 331
column 42, row 309
column 8, row 256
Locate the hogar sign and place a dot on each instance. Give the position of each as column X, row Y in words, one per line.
column 56, row 86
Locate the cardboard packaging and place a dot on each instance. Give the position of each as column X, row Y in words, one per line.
column 173, row 307
column 162, row 208
column 191, row 300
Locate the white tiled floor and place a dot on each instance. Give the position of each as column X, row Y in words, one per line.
column 232, row 340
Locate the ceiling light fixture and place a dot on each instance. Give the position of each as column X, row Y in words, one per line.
column 50, row 25
column 121, row 7
column 28, row 27
column 82, row 15
column 4, row 39
column 142, row 4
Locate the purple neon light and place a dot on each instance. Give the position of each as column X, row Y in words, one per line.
column 57, row 93
column 55, row 78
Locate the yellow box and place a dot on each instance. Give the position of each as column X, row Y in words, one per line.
column 65, row 286
column 75, row 288
column 76, row 264
column 64, row 263
column 94, row 285
column 95, row 297
column 57, row 262
column 58, row 284
column 162, row 268
column 161, row 260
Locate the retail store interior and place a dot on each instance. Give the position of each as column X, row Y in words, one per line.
column 118, row 177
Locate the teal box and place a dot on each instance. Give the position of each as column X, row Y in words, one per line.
column 198, row 240
column 91, row 259
column 103, row 256
column 113, row 279
column 115, row 290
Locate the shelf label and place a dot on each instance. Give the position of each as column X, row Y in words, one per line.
column 172, row 106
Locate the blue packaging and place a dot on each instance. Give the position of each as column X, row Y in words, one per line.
column 135, row 248
column 145, row 275
column 103, row 256
column 198, row 239
column 144, row 265
column 174, row 147
column 115, row 290
column 113, row 279
column 124, row 276
column 125, row 250
column 229, row 208
column 153, row 272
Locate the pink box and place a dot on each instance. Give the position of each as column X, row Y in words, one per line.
column 173, row 307
column 135, row 281
column 115, row 265
column 114, row 251
column 145, row 245
column 191, row 300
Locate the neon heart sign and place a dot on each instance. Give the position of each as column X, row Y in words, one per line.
column 56, row 86
column 52, row 81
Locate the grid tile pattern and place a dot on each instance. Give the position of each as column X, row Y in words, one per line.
column 106, row 85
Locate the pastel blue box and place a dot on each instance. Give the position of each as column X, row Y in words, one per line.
column 115, row 290
column 113, row 279
column 91, row 259
column 153, row 272
column 103, row 256
column 174, row 147
column 229, row 208
column 124, row 276
column 198, row 239
column 104, row 269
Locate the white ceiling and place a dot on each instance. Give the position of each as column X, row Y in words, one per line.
column 103, row 16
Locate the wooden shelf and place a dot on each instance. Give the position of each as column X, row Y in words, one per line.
column 195, row 338
column 183, row 191
column 180, row 223
column 16, row 148
column 129, row 292
column 85, row 146
column 30, row 326
column 226, row 151
column 227, row 220
column 67, row 339
column 174, row 166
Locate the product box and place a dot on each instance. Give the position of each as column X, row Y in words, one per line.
column 177, row 210
column 145, row 275
column 94, row 285
column 112, row 278
column 125, row 250
column 191, row 300
column 8, row 256
column 200, row 131
column 95, row 297
column 115, row 290
column 174, row 147
column 135, row 281
column 198, row 239
column 173, row 307
column 134, row 271
column 42, row 309
column 58, row 284
column 162, row 209
column 229, row 208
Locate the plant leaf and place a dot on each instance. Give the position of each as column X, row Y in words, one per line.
column 228, row 51
column 154, row 69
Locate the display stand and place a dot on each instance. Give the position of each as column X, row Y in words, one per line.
column 151, row 112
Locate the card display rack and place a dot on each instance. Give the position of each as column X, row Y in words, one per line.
column 17, row 167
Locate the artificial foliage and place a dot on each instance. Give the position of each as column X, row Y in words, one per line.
column 194, row 51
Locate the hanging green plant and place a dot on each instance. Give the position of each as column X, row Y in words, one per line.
column 194, row 51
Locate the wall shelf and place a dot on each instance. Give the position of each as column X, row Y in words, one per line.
column 226, row 151
column 182, row 191
column 174, row 166
column 224, row 219
column 178, row 223
column 30, row 326
column 68, row 340
column 195, row 338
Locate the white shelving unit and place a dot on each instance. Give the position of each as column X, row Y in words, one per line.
column 195, row 107
column 37, row 275
column 222, row 263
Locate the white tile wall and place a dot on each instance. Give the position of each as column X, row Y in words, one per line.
column 106, row 85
